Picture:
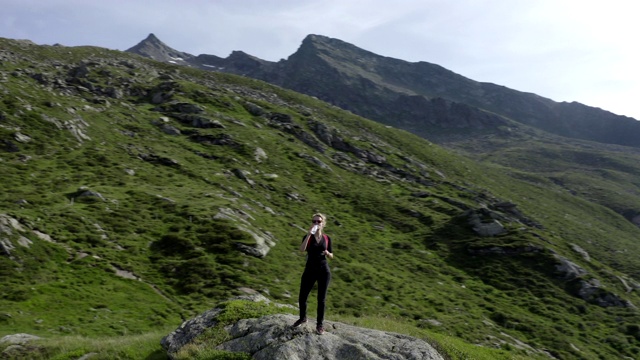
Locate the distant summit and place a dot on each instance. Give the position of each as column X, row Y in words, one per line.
column 155, row 49
column 238, row 62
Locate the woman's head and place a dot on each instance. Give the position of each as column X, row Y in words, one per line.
column 319, row 219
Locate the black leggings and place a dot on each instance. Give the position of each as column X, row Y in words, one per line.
column 322, row 275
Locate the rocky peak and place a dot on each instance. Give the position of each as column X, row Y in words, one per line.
column 155, row 49
column 321, row 40
column 153, row 39
column 336, row 49
column 243, row 62
column 241, row 55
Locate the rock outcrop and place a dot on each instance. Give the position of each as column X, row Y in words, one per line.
column 272, row 337
column 583, row 285
column 17, row 345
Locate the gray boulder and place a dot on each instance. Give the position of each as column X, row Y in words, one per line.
column 254, row 109
column 484, row 222
column 18, row 339
column 587, row 288
column 189, row 330
column 568, row 270
column 272, row 337
column 170, row 130
column 17, row 346
column 592, row 291
column 186, row 108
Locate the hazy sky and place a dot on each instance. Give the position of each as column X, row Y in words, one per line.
column 565, row 50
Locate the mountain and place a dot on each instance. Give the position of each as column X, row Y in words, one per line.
column 152, row 47
column 137, row 194
column 485, row 121
column 423, row 98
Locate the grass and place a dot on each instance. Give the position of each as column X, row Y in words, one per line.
column 174, row 211
column 451, row 347
column 143, row 346
column 147, row 346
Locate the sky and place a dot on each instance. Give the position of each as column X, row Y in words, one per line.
column 564, row 50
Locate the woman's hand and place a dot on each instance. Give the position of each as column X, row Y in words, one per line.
column 327, row 253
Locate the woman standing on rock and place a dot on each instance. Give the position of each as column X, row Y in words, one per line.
column 318, row 247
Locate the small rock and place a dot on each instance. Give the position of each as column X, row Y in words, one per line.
column 18, row 339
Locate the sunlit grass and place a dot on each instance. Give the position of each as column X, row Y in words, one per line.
column 134, row 347
column 453, row 348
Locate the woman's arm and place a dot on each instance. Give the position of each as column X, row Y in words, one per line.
column 303, row 246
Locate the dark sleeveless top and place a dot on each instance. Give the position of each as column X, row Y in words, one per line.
column 315, row 249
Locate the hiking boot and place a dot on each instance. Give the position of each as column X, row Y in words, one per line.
column 299, row 322
column 320, row 329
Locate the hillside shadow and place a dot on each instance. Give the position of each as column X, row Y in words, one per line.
column 509, row 261
column 157, row 355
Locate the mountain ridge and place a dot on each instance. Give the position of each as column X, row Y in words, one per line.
column 387, row 82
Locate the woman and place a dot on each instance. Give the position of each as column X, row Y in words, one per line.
column 318, row 248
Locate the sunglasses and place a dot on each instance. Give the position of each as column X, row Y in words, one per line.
column 316, row 221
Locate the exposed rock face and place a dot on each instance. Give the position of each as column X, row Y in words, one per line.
column 8, row 227
column 272, row 337
column 189, row 330
column 585, row 255
column 263, row 240
column 18, row 345
column 588, row 289
column 485, row 222
column 592, row 291
column 488, row 221
column 568, row 270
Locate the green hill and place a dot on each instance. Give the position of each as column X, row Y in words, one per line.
column 136, row 194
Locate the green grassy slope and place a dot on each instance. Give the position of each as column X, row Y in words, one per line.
column 172, row 211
